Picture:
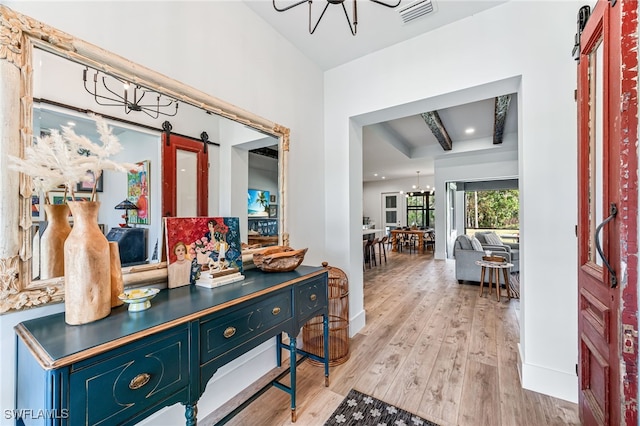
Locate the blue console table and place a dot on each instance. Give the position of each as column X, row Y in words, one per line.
column 122, row 368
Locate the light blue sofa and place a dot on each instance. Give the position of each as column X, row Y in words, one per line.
column 466, row 257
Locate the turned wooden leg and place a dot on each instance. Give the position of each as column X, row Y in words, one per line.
column 482, row 280
column 506, row 282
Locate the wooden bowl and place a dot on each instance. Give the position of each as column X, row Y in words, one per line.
column 278, row 258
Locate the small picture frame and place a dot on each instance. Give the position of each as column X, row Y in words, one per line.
column 273, row 210
column 87, row 186
column 272, row 198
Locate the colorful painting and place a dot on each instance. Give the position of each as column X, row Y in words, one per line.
column 138, row 193
column 197, row 243
column 35, row 207
column 87, row 185
column 258, row 203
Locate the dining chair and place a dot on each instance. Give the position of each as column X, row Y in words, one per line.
column 382, row 250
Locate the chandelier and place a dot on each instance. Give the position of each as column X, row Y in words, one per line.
column 353, row 27
column 108, row 90
column 417, row 189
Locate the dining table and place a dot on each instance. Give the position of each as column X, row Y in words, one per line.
column 421, row 235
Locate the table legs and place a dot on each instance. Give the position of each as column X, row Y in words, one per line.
column 494, row 274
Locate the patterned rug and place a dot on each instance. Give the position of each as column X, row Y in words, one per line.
column 514, row 283
column 364, row 410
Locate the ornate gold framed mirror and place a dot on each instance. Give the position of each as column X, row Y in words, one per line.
column 20, row 35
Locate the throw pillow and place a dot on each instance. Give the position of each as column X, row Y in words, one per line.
column 475, row 243
column 465, row 242
column 493, row 239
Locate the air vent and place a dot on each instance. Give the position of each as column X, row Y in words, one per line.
column 415, row 10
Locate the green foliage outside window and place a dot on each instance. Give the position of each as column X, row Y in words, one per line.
column 492, row 209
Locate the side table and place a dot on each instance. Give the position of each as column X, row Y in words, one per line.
column 494, row 268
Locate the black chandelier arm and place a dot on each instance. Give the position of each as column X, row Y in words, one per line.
column 291, row 6
column 388, row 5
column 354, row 27
column 311, row 31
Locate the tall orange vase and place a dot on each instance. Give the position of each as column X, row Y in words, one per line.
column 52, row 241
column 87, row 267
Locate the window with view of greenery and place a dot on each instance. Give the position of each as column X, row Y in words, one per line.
column 421, row 210
column 496, row 209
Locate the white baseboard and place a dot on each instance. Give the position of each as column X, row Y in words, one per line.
column 557, row 384
column 357, row 323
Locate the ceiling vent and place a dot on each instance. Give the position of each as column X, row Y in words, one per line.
column 415, row 10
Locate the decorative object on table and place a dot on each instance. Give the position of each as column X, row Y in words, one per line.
column 215, row 277
column 117, row 283
column 52, row 241
column 138, row 299
column 278, row 258
column 35, row 207
column 192, row 242
column 312, row 331
column 258, row 203
column 63, row 158
column 87, row 267
column 125, row 205
column 361, row 409
column 138, row 192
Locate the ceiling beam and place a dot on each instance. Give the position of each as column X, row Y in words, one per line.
column 437, row 128
column 500, row 117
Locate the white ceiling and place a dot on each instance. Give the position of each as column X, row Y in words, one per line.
column 399, row 147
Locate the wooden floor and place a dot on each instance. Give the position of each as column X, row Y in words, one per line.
column 430, row 346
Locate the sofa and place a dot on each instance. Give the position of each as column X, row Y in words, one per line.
column 491, row 241
column 466, row 251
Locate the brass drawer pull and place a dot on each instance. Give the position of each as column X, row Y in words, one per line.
column 313, row 297
column 139, row 381
column 230, row 331
column 276, row 310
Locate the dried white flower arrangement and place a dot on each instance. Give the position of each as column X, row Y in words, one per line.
column 63, row 158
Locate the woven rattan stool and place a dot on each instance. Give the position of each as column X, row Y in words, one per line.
column 312, row 333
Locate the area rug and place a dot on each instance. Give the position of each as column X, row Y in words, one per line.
column 514, row 283
column 364, row 410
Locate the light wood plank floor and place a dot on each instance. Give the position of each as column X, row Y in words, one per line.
column 430, row 346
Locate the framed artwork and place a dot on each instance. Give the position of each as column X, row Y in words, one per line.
column 273, row 210
column 138, row 192
column 87, row 186
column 35, row 206
column 258, row 203
column 272, row 199
column 58, row 198
column 193, row 243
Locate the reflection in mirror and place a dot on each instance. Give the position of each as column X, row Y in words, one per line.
column 263, row 188
column 142, row 144
column 47, row 66
column 139, row 146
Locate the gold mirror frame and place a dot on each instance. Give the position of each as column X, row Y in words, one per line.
column 19, row 34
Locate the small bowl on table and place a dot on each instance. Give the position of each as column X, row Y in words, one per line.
column 138, row 298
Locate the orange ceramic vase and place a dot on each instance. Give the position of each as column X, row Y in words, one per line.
column 52, row 241
column 87, row 267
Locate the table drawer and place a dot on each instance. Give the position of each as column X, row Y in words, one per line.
column 117, row 388
column 220, row 334
column 311, row 298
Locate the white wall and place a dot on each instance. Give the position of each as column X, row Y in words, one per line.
column 224, row 49
column 505, row 44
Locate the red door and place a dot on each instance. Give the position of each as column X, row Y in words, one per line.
column 607, row 215
column 185, row 176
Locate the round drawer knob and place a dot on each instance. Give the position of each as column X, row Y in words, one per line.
column 139, row 381
column 276, row 310
column 230, row 331
column 313, row 297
